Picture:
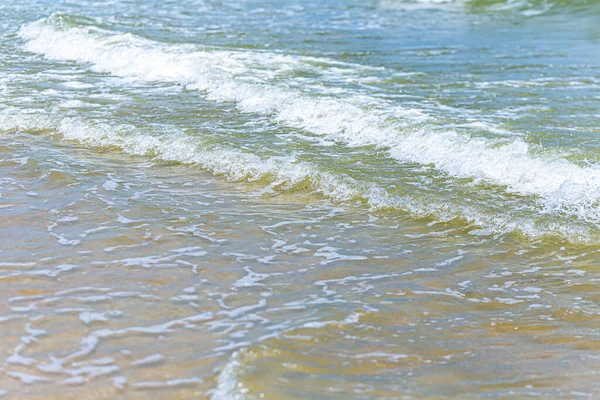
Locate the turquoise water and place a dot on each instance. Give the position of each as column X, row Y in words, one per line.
column 333, row 199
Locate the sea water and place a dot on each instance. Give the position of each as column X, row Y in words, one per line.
column 299, row 199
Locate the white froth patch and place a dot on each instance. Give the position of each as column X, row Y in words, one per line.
column 77, row 85
column 119, row 382
column 123, row 220
column 150, row 360
column 110, row 185
column 182, row 382
column 87, row 317
column 228, row 385
column 27, row 379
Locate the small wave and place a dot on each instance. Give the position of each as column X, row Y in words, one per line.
column 283, row 173
column 280, row 172
column 356, row 119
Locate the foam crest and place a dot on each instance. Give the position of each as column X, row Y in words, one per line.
column 561, row 185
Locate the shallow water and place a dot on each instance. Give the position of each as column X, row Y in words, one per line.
column 381, row 199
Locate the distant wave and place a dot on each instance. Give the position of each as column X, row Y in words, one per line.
column 526, row 8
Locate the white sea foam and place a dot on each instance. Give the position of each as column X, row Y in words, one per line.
column 229, row 385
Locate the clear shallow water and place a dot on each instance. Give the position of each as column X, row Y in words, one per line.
column 299, row 200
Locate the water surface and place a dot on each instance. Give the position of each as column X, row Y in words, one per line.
column 301, row 199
